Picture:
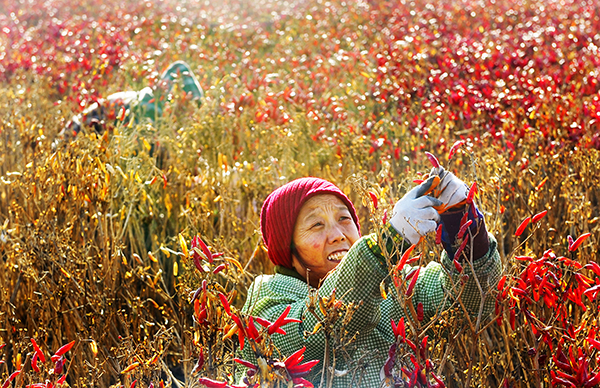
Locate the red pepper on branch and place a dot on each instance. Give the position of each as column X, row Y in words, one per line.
column 245, row 363
column 573, row 246
column 62, row 350
column 38, row 351
column 461, row 248
column 399, row 330
column 405, row 257
column 538, row 216
column 210, row 383
column 10, row 378
column 293, row 366
column 455, row 148
column 463, row 229
column 432, row 159
column 420, row 314
column 282, row 320
column 471, row 194
column 225, row 303
column 373, row 199
column 413, row 281
column 522, row 226
column 438, row 234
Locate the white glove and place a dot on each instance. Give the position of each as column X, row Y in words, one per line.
column 451, row 190
column 414, row 215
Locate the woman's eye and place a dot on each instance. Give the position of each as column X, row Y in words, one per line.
column 316, row 224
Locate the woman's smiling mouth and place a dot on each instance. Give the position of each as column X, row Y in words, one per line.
column 337, row 256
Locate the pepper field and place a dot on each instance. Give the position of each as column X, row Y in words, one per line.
column 101, row 236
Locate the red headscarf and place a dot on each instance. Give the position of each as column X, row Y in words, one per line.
column 281, row 208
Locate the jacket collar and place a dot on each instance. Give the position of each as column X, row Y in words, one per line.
column 288, row 272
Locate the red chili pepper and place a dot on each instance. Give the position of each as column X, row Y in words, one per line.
column 455, row 148
column 593, row 342
column 592, row 290
column 385, row 216
column 58, row 365
column 38, row 351
column 594, row 380
column 440, row 383
column 501, row 283
column 522, row 227
column 390, row 362
column 225, row 303
column 418, row 181
column 263, row 321
column 577, row 243
column 512, row 319
column 196, row 294
column 411, row 345
column 556, row 379
column 567, row 377
column 195, row 255
column 10, row 378
column 62, row 350
column 463, row 229
column 245, row 363
column 210, row 383
column 423, row 348
column 414, row 258
column 472, row 192
column 404, row 258
column 411, row 286
column 461, row 248
column 373, row 199
column 464, row 218
column 197, row 241
column 594, row 267
column 498, row 311
column 34, row 364
column 570, row 263
column 293, row 366
column 219, row 268
column 432, row 159
column 457, row 265
column 61, row 380
column 399, row 330
column 538, row 216
column 282, row 320
column 420, row 315
column 252, row 332
column 200, row 363
column 438, row 234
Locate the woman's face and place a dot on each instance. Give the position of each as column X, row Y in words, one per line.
column 323, row 234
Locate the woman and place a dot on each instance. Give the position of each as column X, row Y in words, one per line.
column 312, row 233
column 144, row 104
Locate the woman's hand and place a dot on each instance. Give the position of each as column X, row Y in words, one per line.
column 414, row 215
column 451, row 190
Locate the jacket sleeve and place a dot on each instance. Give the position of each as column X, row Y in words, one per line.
column 440, row 286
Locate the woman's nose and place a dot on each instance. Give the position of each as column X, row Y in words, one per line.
column 336, row 234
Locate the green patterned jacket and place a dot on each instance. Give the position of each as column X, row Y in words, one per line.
column 358, row 277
